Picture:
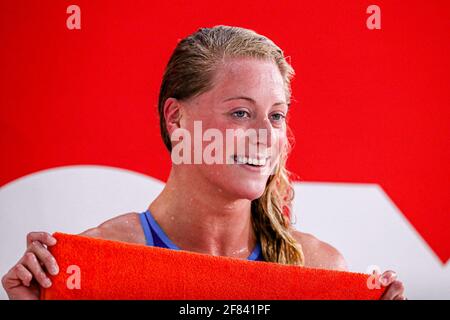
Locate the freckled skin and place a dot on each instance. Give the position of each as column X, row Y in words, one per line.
column 318, row 254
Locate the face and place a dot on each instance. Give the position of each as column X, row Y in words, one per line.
column 247, row 107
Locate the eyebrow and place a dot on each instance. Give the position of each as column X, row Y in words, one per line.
column 253, row 101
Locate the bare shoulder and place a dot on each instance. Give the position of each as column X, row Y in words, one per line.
column 319, row 254
column 125, row 227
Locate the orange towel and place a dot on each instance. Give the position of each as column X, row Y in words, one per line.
column 102, row 269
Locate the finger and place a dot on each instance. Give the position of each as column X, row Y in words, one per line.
column 45, row 257
column 400, row 297
column 388, row 277
column 17, row 275
column 43, row 237
column 23, row 274
column 393, row 290
column 32, row 264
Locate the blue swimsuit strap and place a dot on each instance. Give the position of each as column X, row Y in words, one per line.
column 150, row 225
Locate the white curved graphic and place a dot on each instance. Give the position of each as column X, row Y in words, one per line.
column 359, row 220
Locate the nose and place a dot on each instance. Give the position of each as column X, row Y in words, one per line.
column 264, row 134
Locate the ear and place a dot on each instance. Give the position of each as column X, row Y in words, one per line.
column 172, row 114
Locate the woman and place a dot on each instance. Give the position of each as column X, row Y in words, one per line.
column 225, row 78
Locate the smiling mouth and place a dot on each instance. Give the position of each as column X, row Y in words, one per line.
column 254, row 162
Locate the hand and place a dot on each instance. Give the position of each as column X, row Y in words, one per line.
column 24, row 279
column 395, row 289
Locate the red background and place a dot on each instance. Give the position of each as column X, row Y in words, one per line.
column 370, row 106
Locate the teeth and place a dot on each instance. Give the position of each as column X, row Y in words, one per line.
column 252, row 161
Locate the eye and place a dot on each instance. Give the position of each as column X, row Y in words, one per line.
column 278, row 116
column 240, row 114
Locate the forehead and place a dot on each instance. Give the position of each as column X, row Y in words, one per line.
column 248, row 76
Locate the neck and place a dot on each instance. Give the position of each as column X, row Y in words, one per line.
column 197, row 219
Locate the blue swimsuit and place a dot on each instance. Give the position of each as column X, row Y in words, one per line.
column 156, row 237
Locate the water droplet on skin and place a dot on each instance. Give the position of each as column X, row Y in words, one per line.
column 236, row 252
